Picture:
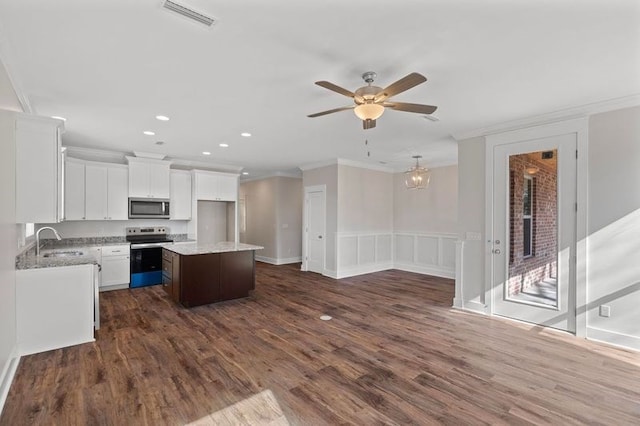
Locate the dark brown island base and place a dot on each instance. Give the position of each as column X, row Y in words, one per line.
column 195, row 275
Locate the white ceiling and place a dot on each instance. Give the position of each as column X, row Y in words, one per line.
column 110, row 67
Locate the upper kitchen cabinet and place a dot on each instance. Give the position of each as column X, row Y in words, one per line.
column 106, row 192
column 180, row 205
column 95, row 191
column 149, row 178
column 74, row 187
column 215, row 186
column 39, row 170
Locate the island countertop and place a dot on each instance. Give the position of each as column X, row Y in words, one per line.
column 187, row 249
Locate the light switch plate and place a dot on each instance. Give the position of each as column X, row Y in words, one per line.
column 605, row 311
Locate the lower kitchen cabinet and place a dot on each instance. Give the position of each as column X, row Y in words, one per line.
column 201, row 279
column 55, row 307
column 115, row 267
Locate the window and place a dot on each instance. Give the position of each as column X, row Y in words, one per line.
column 527, row 217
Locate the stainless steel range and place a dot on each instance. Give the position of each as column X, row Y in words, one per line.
column 146, row 255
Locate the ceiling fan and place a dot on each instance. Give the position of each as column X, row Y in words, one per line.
column 370, row 101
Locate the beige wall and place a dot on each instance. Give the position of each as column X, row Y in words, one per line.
column 274, row 217
column 8, row 240
column 613, row 222
column 365, row 200
column 212, row 222
column 434, row 209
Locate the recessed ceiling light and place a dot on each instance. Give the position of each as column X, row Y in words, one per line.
column 224, row 145
column 206, row 153
column 162, row 117
column 245, row 134
column 245, row 173
column 57, row 117
column 149, row 133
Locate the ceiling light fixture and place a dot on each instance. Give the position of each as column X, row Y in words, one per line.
column 532, row 170
column 206, row 153
column 162, row 118
column 224, row 145
column 149, row 133
column 57, row 117
column 369, row 111
column 245, row 134
column 417, row 177
column 245, row 173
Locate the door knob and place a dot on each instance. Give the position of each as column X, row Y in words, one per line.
column 496, row 251
column 320, row 236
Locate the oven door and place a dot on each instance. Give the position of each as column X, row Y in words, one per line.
column 146, row 266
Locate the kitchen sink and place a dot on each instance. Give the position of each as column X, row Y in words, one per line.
column 69, row 253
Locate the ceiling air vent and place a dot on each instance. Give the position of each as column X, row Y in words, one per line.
column 188, row 13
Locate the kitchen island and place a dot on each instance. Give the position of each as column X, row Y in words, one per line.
column 199, row 274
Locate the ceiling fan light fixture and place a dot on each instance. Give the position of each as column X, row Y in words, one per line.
column 417, row 177
column 369, row 111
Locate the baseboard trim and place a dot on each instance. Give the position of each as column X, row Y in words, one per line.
column 470, row 306
column 331, row 274
column 362, row 269
column 280, row 261
column 426, row 270
column 612, row 338
column 8, row 373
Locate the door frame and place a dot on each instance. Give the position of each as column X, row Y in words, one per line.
column 579, row 127
column 305, row 232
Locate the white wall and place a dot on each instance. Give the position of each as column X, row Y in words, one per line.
column 8, row 99
column 110, row 228
column 613, row 217
column 471, row 218
column 434, row 209
column 8, row 250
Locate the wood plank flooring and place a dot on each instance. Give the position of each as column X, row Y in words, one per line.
column 394, row 353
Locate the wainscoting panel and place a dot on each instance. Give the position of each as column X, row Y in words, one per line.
column 431, row 254
column 363, row 253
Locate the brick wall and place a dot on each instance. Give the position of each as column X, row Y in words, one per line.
column 525, row 271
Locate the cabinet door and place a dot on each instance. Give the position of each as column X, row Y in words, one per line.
column 237, row 274
column 139, row 180
column 180, row 195
column 117, row 202
column 74, row 190
column 206, row 187
column 227, row 188
column 37, row 171
column 115, row 270
column 96, row 192
column 159, row 180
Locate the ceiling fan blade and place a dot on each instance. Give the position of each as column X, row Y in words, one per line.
column 331, row 111
column 335, row 88
column 368, row 124
column 405, row 83
column 419, row 108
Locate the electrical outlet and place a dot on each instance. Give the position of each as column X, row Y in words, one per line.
column 605, row 311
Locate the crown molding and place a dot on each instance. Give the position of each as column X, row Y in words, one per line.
column 346, row 162
column 560, row 115
column 6, row 57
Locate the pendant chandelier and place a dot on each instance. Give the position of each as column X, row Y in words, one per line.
column 417, row 177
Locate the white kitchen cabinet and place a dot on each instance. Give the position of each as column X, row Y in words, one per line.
column 105, row 191
column 39, row 166
column 180, row 204
column 215, row 186
column 74, row 200
column 54, row 307
column 115, row 267
column 149, row 178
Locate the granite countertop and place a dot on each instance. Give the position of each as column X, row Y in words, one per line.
column 221, row 247
column 29, row 260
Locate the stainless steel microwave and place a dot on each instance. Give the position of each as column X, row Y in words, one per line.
column 148, row 208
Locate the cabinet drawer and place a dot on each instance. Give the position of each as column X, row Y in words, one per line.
column 166, row 267
column 115, row 250
column 166, row 255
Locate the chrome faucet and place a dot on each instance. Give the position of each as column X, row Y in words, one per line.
column 38, row 237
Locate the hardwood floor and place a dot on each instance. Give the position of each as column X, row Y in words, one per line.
column 394, row 353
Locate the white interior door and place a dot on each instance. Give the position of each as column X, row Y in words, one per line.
column 533, row 243
column 315, row 230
